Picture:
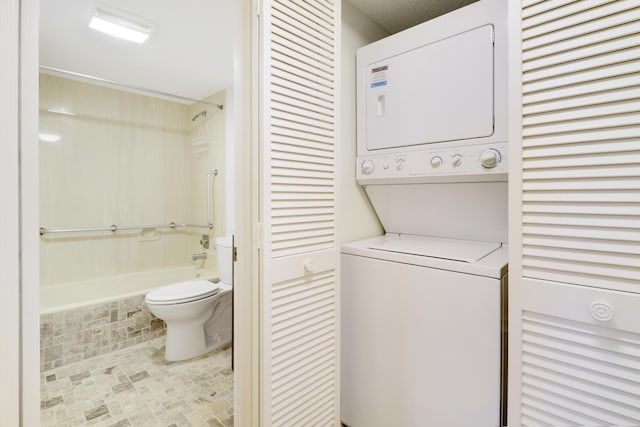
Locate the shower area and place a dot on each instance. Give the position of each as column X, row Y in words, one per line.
column 132, row 197
column 133, row 194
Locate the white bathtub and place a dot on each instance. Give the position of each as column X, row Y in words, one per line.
column 71, row 295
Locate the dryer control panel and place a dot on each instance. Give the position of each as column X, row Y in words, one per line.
column 487, row 162
column 432, row 100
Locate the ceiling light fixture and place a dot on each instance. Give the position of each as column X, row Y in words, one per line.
column 119, row 25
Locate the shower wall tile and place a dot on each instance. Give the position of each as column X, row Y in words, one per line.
column 124, row 159
column 85, row 332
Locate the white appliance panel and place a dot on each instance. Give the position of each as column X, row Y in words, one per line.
column 420, row 346
column 442, row 91
column 467, row 211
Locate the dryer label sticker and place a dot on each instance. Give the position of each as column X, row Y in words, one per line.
column 379, row 76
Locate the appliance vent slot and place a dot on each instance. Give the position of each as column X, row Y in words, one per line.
column 576, row 373
column 581, row 142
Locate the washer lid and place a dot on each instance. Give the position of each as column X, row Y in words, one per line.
column 183, row 292
column 456, row 250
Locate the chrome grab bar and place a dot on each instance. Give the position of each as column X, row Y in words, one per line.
column 213, row 173
column 113, row 228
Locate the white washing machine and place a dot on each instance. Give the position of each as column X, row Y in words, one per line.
column 423, row 307
column 421, row 332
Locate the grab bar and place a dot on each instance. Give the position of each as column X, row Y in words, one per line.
column 113, row 228
column 213, row 173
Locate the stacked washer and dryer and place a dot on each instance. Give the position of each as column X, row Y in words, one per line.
column 424, row 306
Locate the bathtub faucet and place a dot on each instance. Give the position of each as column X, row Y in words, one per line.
column 197, row 256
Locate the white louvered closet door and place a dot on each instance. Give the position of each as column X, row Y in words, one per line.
column 575, row 257
column 299, row 263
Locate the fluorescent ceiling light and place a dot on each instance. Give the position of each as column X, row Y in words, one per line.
column 49, row 137
column 120, row 26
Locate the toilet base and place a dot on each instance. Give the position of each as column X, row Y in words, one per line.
column 185, row 342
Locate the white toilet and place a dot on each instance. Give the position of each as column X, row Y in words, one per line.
column 197, row 312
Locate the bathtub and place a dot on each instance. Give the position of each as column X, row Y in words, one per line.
column 88, row 318
column 69, row 296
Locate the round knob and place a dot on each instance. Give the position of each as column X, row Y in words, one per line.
column 490, row 158
column 308, row 266
column 367, row 167
column 456, row 160
column 399, row 164
column 436, row 162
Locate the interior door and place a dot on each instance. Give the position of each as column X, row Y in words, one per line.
column 299, row 372
column 574, row 209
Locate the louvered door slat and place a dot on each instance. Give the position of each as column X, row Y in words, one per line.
column 300, row 95
column 300, row 363
column 302, row 113
column 562, row 10
column 620, row 39
column 304, row 27
column 584, row 184
column 582, row 149
column 607, row 111
column 611, row 221
column 581, row 77
column 620, row 33
column 303, row 70
column 580, row 33
column 607, row 7
column 305, row 143
column 529, row 10
column 617, row 86
column 293, row 45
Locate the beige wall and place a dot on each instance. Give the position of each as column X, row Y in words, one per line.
column 123, row 159
column 356, row 217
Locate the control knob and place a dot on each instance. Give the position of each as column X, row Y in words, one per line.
column 399, row 164
column 456, row 160
column 367, row 167
column 490, row 158
column 436, row 162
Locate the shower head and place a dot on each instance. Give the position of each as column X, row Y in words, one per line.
column 202, row 113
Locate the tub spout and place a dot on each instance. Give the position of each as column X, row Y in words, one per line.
column 197, row 256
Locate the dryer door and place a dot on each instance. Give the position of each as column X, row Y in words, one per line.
column 437, row 92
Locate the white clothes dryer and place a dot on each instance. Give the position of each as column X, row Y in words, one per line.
column 422, row 336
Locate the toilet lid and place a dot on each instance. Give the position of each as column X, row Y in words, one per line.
column 183, row 292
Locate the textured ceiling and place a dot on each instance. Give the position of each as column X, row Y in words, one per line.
column 398, row 15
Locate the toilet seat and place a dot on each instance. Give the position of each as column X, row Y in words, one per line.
column 182, row 292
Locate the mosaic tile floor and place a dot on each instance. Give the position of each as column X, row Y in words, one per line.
column 136, row 387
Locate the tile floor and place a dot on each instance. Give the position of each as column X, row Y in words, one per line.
column 136, row 387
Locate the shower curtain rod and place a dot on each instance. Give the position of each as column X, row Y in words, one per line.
column 127, row 86
column 113, row 228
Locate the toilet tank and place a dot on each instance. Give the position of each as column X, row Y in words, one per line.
column 223, row 249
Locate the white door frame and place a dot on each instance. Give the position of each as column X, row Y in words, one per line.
column 245, row 149
column 9, row 213
column 19, row 217
column 19, row 240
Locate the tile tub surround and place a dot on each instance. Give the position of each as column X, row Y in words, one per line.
column 125, row 159
column 85, row 332
column 137, row 387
